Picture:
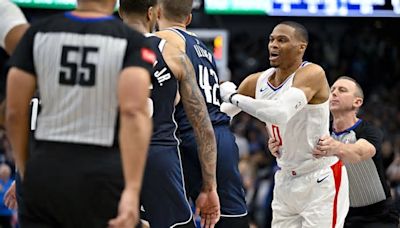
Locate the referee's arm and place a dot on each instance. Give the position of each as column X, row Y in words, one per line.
column 134, row 138
column 20, row 89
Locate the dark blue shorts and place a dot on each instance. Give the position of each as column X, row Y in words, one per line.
column 230, row 188
column 163, row 195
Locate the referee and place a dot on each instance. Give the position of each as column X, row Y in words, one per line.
column 93, row 75
column 358, row 144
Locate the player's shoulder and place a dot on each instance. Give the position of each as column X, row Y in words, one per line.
column 175, row 59
column 309, row 74
column 172, row 37
column 311, row 69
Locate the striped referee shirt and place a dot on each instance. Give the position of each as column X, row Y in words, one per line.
column 367, row 182
column 77, row 62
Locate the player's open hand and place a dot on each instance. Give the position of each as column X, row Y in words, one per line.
column 208, row 207
column 273, row 146
column 128, row 211
column 10, row 198
column 226, row 90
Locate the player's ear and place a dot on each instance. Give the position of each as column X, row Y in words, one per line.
column 188, row 19
column 303, row 47
column 158, row 12
column 149, row 13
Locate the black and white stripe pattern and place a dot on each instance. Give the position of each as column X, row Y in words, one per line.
column 365, row 186
column 74, row 113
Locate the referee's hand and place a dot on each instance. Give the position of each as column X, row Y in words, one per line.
column 128, row 211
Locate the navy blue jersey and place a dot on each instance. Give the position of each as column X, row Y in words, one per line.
column 207, row 77
column 163, row 94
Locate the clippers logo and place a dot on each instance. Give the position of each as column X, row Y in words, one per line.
column 148, row 55
column 263, row 89
column 297, row 106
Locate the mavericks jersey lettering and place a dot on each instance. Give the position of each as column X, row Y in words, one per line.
column 207, row 78
column 163, row 95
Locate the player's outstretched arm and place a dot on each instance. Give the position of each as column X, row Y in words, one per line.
column 134, row 138
column 196, row 111
column 247, row 87
column 280, row 111
column 21, row 86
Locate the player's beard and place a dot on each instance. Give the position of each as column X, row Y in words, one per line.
column 272, row 64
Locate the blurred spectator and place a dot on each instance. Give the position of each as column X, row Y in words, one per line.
column 5, row 183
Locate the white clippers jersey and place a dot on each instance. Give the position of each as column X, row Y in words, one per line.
column 301, row 134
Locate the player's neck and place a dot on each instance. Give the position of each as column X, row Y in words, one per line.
column 165, row 24
column 137, row 25
column 94, row 9
column 282, row 73
column 343, row 121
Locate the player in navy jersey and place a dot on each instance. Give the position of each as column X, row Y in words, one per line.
column 163, row 196
column 91, row 71
column 175, row 15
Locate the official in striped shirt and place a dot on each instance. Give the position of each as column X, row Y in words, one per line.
column 358, row 144
column 93, row 74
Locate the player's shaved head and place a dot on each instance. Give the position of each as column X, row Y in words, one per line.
column 136, row 6
column 176, row 10
column 301, row 32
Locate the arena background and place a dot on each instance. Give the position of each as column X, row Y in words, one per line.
column 363, row 46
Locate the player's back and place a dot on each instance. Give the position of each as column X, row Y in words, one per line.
column 77, row 62
column 301, row 134
column 207, row 78
column 163, row 95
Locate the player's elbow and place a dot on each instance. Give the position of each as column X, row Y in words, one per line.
column 12, row 117
column 278, row 116
column 133, row 109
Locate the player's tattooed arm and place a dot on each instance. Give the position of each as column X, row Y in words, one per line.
column 196, row 111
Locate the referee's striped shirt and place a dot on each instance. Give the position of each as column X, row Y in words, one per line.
column 77, row 62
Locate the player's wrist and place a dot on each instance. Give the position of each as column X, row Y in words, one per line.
column 231, row 96
column 209, row 187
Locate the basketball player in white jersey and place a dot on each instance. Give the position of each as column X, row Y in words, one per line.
column 13, row 25
column 292, row 99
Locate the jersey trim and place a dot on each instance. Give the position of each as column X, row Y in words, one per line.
column 71, row 16
column 348, row 129
column 161, row 45
column 177, row 32
column 276, row 88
